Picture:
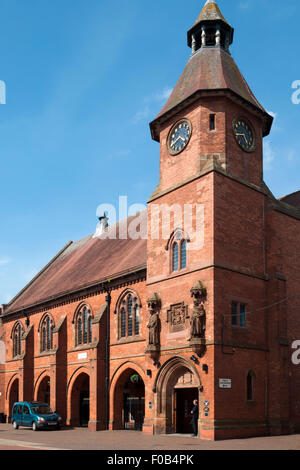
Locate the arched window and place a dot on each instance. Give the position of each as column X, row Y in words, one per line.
column 46, row 333
column 129, row 315
column 16, row 340
column 177, row 245
column 250, row 385
column 83, row 326
column 175, row 257
column 183, row 254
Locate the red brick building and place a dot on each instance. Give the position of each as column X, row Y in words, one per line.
column 125, row 332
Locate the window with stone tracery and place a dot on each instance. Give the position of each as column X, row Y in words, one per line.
column 17, row 340
column 129, row 315
column 83, row 326
column 178, row 247
column 46, row 333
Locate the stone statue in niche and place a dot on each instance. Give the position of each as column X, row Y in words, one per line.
column 198, row 317
column 198, row 320
column 153, row 326
column 154, row 304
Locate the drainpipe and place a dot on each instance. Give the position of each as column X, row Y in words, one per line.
column 107, row 354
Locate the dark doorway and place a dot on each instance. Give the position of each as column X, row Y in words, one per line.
column 44, row 391
column 134, row 403
column 184, row 398
column 80, row 401
column 84, row 412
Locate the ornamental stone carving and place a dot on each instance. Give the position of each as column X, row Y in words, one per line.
column 177, row 316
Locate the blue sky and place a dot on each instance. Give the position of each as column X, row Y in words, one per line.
column 84, row 78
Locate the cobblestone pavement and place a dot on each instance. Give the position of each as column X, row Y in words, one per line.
column 83, row 439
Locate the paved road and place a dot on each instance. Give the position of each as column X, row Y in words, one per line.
column 83, row 439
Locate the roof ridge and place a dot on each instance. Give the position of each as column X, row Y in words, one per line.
column 39, row 274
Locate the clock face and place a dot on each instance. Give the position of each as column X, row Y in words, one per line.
column 179, row 137
column 244, row 134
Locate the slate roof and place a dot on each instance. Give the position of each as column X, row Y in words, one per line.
column 210, row 12
column 85, row 263
column 210, row 69
column 292, row 199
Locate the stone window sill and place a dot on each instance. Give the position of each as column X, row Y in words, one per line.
column 129, row 339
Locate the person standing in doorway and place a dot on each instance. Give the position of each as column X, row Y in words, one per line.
column 195, row 417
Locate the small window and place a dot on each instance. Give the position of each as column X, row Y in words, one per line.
column 26, row 410
column 234, row 316
column 238, row 314
column 250, row 386
column 243, row 315
column 212, row 122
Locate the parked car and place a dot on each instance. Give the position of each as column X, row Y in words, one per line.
column 36, row 415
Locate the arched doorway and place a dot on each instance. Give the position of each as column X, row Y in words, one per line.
column 80, row 401
column 177, row 386
column 13, row 397
column 43, row 394
column 129, row 401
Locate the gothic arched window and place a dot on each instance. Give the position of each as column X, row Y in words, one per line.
column 177, row 245
column 16, row 340
column 83, row 326
column 129, row 315
column 175, row 257
column 183, row 254
column 46, row 333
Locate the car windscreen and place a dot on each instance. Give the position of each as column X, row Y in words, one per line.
column 41, row 409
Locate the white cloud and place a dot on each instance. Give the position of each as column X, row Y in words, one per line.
column 244, row 5
column 5, row 260
column 150, row 102
column 160, row 96
column 141, row 115
column 269, row 155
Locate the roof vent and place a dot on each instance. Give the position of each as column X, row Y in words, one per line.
column 102, row 225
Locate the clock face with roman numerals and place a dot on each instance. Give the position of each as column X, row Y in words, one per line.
column 179, row 137
column 244, row 134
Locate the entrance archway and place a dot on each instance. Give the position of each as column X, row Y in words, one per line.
column 177, row 386
column 43, row 394
column 80, row 401
column 13, row 397
column 129, row 401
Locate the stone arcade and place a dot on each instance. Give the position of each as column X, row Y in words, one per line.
column 125, row 334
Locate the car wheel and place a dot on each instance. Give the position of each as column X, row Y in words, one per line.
column 34, row 426
column 58, row 427
column 15, row 425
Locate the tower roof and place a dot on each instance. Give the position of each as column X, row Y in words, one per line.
column 210, row 16
column 210, row 70
column 211, row 12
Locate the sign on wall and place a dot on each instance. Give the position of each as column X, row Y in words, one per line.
column 224, row 383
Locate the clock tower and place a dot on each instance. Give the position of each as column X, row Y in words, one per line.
column 212, row 100
column 206, row 223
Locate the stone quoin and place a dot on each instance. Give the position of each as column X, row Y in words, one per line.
column 119, row 333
